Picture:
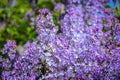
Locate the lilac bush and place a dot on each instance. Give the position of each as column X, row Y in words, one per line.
column 88, row 47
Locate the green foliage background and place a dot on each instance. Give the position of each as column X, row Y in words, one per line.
column 12, row 13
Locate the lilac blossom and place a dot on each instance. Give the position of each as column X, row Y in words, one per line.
column 59, row 7
column 87, row 49
column 9, row 48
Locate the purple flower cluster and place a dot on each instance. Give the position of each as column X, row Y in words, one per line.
column 9, row 48
column 26, row 67
column 88, row 48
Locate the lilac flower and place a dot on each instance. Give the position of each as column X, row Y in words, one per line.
column 9, row 48
column 28, row 15
column 2, row 25
column 87, row 48
column 59, row 7
column 25, row 66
